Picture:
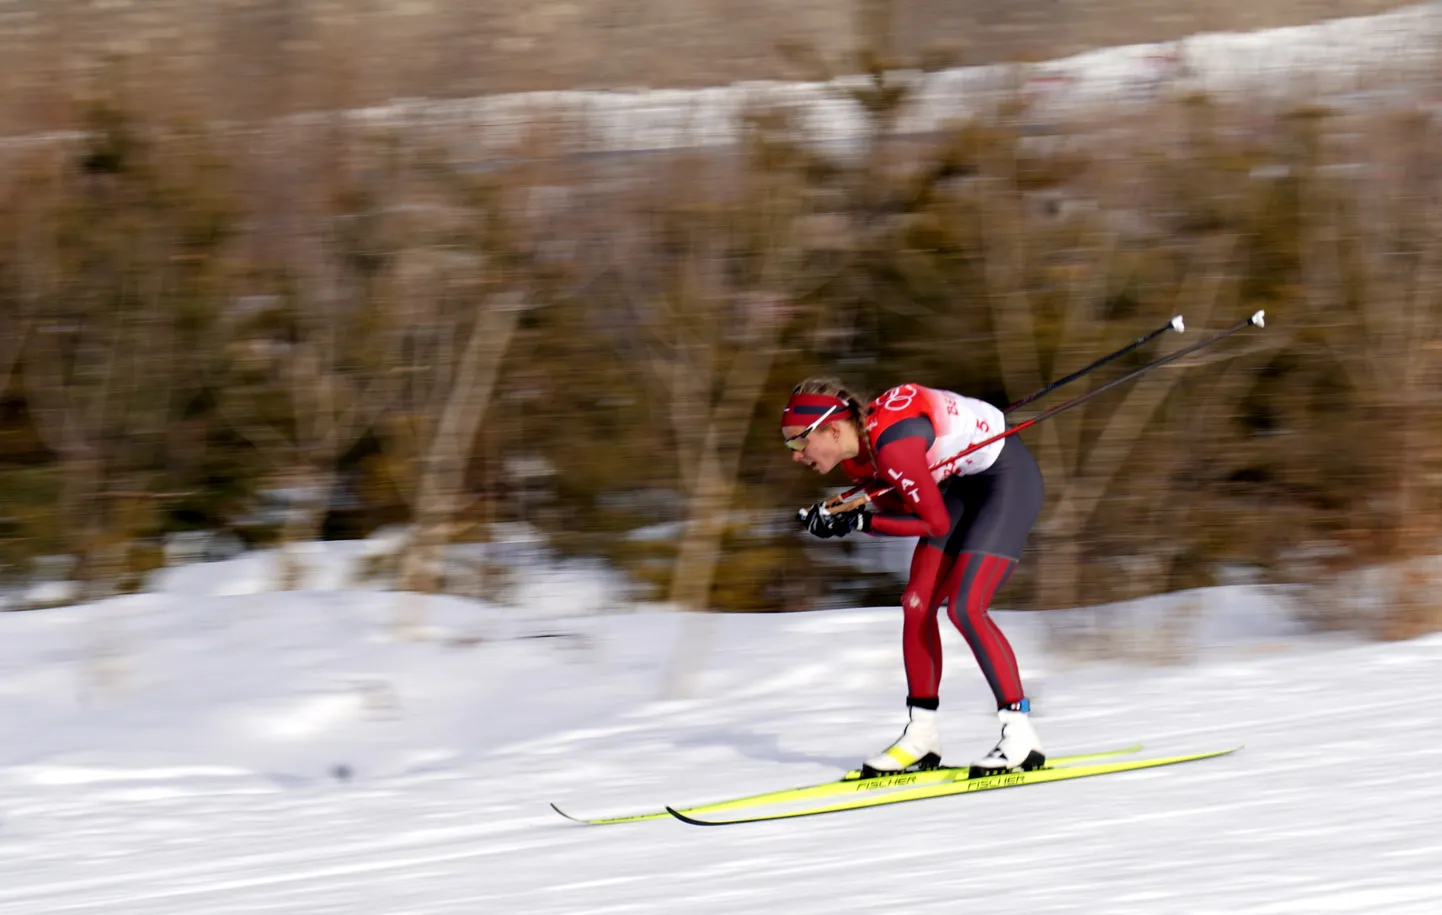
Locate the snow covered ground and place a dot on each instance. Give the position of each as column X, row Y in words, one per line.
column 205, row 748
column 1388, row 59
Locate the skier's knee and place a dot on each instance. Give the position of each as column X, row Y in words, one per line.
column 914, row 604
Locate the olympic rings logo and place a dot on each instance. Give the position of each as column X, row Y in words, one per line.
column 898, row 398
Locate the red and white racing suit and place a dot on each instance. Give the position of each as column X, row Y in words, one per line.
column 973, row 518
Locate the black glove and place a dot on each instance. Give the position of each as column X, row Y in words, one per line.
column 821, row 523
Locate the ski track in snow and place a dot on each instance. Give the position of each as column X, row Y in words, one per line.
column 1331, row 806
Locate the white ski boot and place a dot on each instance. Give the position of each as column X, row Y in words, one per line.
column 1019, row 747
column 918, row 747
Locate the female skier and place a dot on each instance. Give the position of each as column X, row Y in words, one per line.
column 973, row 520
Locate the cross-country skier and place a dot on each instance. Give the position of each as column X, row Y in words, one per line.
column 973, row 520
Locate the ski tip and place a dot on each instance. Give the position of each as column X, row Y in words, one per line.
column 685, row 819
column 565, row 814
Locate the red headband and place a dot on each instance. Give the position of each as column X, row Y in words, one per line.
column 805, row 409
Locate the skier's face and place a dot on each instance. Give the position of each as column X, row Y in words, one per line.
column 821, row 448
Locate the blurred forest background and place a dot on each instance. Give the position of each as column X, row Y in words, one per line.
column 217, row 319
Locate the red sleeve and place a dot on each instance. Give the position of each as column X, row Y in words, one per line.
column 864, row 474
column 888, row 503
column 903, row 465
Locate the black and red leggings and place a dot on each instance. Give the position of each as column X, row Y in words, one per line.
column 992, row 512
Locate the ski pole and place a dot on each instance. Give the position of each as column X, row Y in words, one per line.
column 842, row 503
column 1175, row 324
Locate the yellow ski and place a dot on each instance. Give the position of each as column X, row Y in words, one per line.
column 850, row 784
column 961, row 785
